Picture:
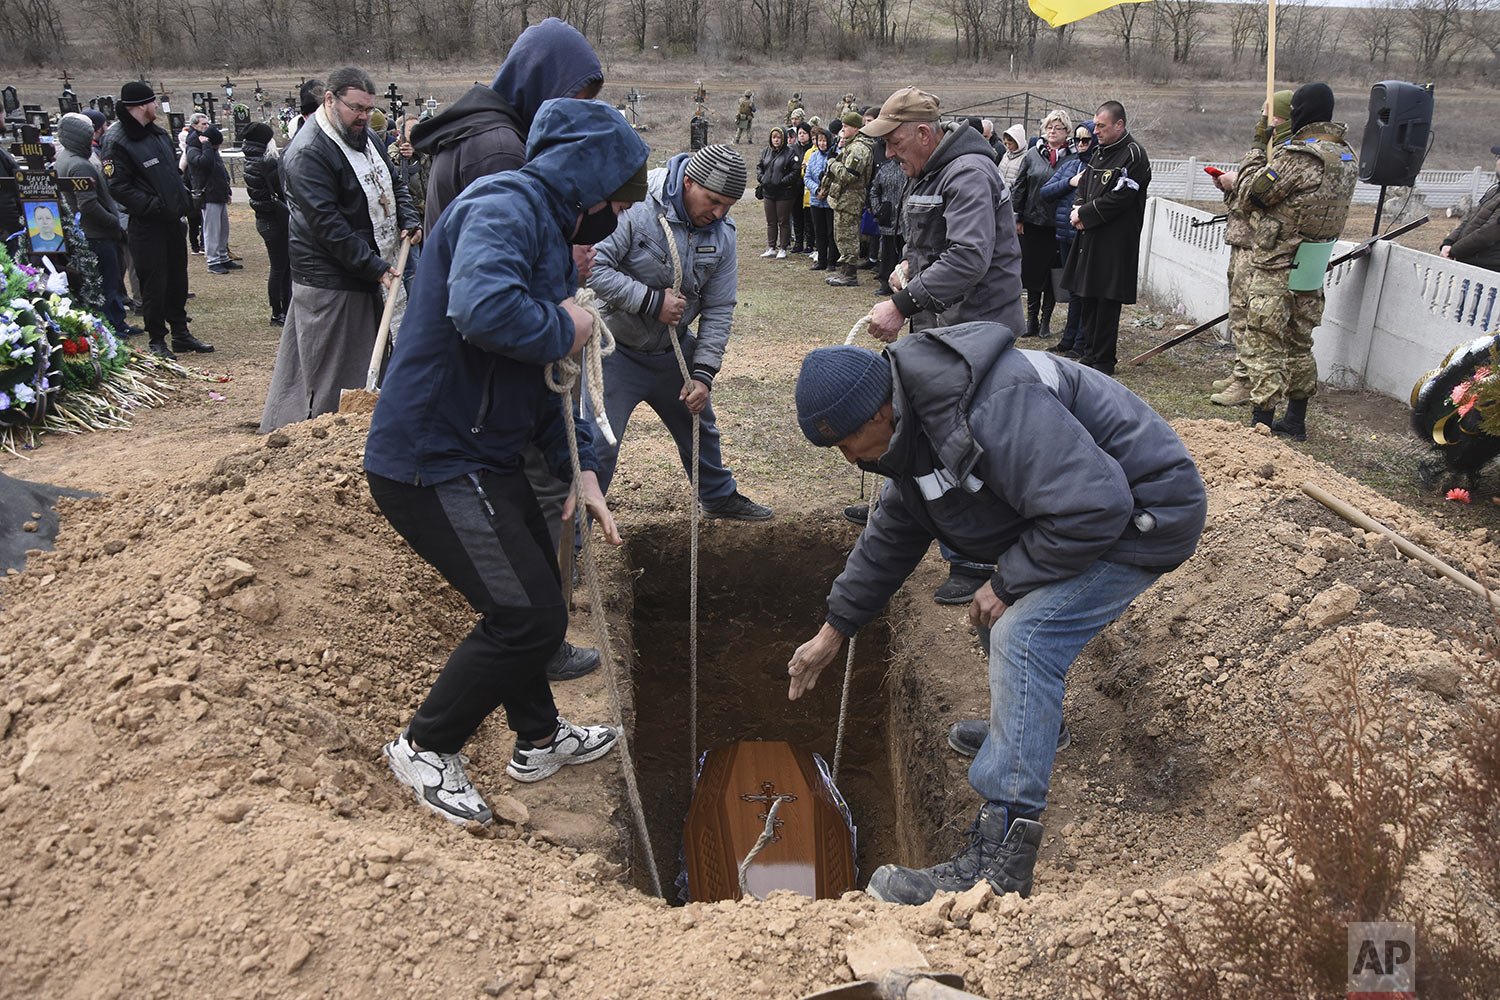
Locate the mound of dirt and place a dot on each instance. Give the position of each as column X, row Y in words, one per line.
column 197, row 682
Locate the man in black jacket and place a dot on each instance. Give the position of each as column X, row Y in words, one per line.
column 268, row 200
column 141, row 169
column 348, row 211
column 1108, row 213
column 11, row 223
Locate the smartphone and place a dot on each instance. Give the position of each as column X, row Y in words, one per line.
column 1213, row 171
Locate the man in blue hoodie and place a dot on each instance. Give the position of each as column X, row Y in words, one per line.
column 484, row 133
column 463, row 397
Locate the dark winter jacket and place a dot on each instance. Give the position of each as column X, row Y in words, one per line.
column 1034, row 462
column 264, row 185
column 484, row 131
column 885, row 196
column 464, row 390
column 1477, row 239
column 1031, row 206
column 206, row 167
column 1060, row 193
column 140, row 167
column 98, row 215
column 779, row 172
column 332, row 244
column 960, row 233
column 1111, row 202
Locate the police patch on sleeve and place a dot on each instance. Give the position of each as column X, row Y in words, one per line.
column 109, row 168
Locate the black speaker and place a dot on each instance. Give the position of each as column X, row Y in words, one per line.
column 1397, row 133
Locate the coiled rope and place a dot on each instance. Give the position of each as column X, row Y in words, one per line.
column 561, row 376
column 687, row 383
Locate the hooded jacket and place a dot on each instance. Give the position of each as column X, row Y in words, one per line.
column 330, row 238
column 464, row 390
column 140, row 167
column 960, row 231
column 1037, row 462
column 484, row 131
column 1059, row 193
column 207, row 169
column 1031, row 206
column 779, row 172
column 95, row 206
column 633, row 266
column 1010, row 163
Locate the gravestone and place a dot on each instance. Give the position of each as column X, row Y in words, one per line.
column 40, row 203
column 241, row 122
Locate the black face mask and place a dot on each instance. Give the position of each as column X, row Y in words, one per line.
column 595, row 227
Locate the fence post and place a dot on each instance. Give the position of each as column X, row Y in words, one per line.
column 1192, row 179
column 1476, row 187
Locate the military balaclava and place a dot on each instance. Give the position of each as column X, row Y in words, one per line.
column 1312, row 102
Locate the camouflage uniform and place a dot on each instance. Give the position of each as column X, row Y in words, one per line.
column 1302, row 194
column 792, row 104
column 848, row 179
column 744, row 120
column 1239, row 236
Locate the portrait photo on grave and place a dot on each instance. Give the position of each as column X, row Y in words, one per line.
column 43, row 227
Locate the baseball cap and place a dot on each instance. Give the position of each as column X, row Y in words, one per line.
column 906, row 105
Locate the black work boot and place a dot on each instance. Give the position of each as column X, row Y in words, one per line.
column 1004, row 857
column 966, row 736
column 1294, row 425
column 1046, row 324
column 571, row 661
column 184, row 341
column 1032, row 329
column 158, row 347
column 1267, row 417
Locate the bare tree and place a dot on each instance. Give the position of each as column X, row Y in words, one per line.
column 638, row 15
column 32, row 29
column 1187, row 22
column 1435, row 32
column 1374, row 30
column 1246, row 23
column 1123, row 19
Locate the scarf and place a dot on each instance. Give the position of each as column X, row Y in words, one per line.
column 380, row 201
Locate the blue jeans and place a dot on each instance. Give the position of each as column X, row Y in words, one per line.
column 109, row 277
column 1031, row 648
column 632, row 378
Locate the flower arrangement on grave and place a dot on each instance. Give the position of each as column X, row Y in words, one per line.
column 61, row 366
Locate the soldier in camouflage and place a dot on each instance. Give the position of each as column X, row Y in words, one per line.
column 792, row 104
column 1299, row 202
column 848, row 178
column 744, row 118
column 1239, row 235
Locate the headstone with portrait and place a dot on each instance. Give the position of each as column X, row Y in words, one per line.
column 40, row 203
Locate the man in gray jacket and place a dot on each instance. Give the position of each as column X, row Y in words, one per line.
column 633, row 276
column 1077, row 489
column 963, row 259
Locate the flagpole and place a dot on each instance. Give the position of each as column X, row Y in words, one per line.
column 1270, row 68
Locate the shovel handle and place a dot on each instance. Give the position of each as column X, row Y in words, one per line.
column 384, row 333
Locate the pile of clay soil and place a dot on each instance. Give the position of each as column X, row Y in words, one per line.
column 197, row 681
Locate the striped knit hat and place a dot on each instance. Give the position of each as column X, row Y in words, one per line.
column 720, row 169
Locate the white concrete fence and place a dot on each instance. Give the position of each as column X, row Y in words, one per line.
column 1185, row 180
column 1389, row 317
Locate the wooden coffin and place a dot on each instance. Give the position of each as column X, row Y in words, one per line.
column 812, row 851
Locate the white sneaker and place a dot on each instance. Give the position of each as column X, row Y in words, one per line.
column 770, row 252
column 439, row 781
column 781, row 255
column 572, row 745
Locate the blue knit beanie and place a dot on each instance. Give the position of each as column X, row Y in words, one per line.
column 840, row 390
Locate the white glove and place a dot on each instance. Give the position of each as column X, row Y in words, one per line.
column 57, row 282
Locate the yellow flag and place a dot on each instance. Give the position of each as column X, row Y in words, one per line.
column 1060, row 12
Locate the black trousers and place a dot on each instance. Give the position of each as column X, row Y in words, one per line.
column 1100, row 322
column 891, row 249
column 486, row 535
column 800, row 235
column 195, row 224
column 160, row 256
column 273, row 232
column 822, row 235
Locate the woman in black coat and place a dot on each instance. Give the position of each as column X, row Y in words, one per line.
column 778, row 178
column 268, row 198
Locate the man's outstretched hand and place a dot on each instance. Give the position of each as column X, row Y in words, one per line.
column 810, row 659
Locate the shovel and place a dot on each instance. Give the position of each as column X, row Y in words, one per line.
column 363, row 400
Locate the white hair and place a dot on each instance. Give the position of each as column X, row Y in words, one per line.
column 987, row 125
column 1058, row 115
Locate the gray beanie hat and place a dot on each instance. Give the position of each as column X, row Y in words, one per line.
column 720, row 169
column 840, row 390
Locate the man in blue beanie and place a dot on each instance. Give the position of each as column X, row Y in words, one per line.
column 1080, row 492
column 491, row 306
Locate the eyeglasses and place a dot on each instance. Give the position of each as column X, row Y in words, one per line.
column 357, row 109
column 1085, row 139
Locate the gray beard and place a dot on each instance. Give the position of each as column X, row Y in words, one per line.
column 356, row 140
